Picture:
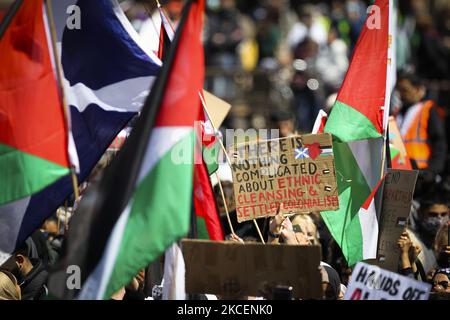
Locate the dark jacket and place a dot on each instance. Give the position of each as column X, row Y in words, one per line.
column 33, row 285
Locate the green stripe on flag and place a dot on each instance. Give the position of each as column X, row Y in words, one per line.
column 353, row 191
column 23, row 174
column 348, row 124
column 393, row 151
column 202, row 230
column 211, row 157
column 160, row 215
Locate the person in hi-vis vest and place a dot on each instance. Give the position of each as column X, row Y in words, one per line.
column 421, row 127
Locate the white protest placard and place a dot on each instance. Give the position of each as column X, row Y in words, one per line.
column 373, row 283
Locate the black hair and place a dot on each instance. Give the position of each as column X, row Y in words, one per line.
column 279, row 115
column 52, row 218
column 22, row 249
column 430, row 200
column 415, row 80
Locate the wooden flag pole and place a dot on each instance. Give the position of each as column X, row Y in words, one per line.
column 59, row 76
column 225, row 203
column 259, row 231
column 58, row 213
column 217, row 175
column 229, row 163
column 66, row 207
column 75, row 185
column 383, row 159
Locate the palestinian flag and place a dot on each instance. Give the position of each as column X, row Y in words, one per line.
column 142, row 205
column 208, row 223
column 358, row 122
column 34, row 133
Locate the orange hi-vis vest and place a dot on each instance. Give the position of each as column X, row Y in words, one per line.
column 416, row 140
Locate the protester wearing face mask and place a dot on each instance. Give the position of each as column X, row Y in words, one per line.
column 431, row 216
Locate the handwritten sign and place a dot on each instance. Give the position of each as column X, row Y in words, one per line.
column 373, row 283
column 251, row 268
column 297, row 172
column 397, row 199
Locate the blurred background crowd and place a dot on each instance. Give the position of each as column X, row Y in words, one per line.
column 273, row 58
column 293, row 55
column 278, row 61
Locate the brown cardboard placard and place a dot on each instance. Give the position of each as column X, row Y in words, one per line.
column 217, row 109
column 397, row 200
column 297, row 172
column 211, row 265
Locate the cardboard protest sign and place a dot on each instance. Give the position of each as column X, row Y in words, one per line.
column 297, row 172
column 373, row 283
column 399, row 157
column 397, row 200
column 212, row 267
column 217, row 109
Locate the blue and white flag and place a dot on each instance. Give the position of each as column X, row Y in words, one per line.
column 108, row 74
column 301, row 153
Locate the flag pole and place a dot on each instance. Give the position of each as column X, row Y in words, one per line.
column 9, row 16
column 229, row 163
column 66, row 208
column 224, row 202
column 58, row 214
column 217, row 175
column 59, row 76
column 383, row 159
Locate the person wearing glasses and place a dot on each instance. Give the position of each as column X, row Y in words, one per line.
column 440, row 281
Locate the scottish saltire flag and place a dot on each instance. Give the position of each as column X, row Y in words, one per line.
column 108, row 74
column 301, row 153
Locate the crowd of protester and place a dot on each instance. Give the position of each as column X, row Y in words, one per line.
column 308, row 46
